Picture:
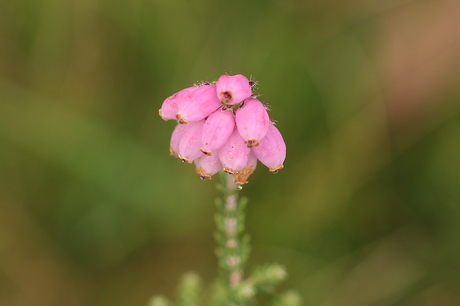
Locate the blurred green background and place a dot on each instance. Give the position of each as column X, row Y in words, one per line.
column 94, row 211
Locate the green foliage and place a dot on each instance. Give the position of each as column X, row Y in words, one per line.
column 267, row 277
column 218, row 294
column 189, row 293
column 366, row 94
column 232, row 253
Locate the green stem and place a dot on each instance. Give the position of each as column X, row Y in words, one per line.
column 233, row 250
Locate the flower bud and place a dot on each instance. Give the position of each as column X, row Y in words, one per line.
column 207, row 166
column 190, row 143
column 170, row 106
column 233, row 89
column 234, row 154
column 176, row 137
column 242, row 175
column 271, row 150
column 217, row 128
column 252, row 121
column 199, row 104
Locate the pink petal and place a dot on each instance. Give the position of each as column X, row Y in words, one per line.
column 207, row 166
column 271, row 150
column 242, row 175
column 200, row 104
column 217, row 128
column 252, row 121
column 170, row 106
column 234, row 154
column 233, row 89
column 176, row 137
column 190, row 143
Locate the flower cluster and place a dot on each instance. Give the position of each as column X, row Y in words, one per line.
column 223, row 126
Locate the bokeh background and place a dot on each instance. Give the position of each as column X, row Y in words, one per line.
column 94, row 211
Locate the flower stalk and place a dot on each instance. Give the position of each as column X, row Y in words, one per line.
column 233, row 247
column 224, row 129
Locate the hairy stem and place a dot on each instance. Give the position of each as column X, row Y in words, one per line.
column 233, row 250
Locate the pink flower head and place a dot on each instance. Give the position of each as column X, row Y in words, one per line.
column 252, row 121
column 272, row 150
column 199, row 104
column 223, row 127
column 233, row 89
column 234, row 154
column 207, row 166
column 170, row 106
column 190, row 143
column 217, row 128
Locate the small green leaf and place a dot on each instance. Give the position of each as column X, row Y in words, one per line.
column 189, row 293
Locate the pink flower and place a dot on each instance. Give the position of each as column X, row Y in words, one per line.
column 207, row 166
column 198, row 105
column 217, row 128
column 176, row 137
column 170, row 106
column 223, row 127
column 234, row 154
column 233, row 89
column 271, row 150
column 242, row 175
column 252, row 121
column 190, row 142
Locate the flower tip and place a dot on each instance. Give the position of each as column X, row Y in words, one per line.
column 181, row 119
column 208, row 153
column 161, row 115
column 229, row 171
column 242, row 176
column 203, row 174
column 173, row 153
column 185, row 159
column 252, row 143
column 240, row 182
column 276, row 169
column 226, row 97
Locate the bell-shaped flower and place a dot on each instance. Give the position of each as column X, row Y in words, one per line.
column 207, row 166
column 199, row 104
column 176, row 137
column 217, row 128
column 190, row 143
column 234, row 154
column 233, row 89
column 170, row 106
column 241, row 176
column 271, row 150
column 252, row 121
